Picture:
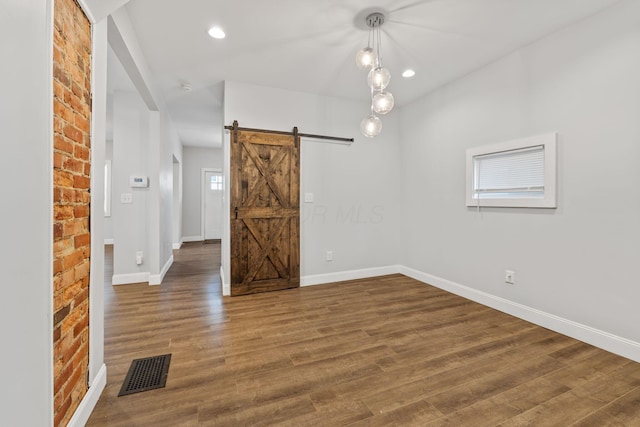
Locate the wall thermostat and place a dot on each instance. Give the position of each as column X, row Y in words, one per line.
column 138, row 181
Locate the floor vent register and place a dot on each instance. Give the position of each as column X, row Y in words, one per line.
column 146, row 374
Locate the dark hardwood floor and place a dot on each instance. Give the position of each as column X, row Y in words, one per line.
column 375, row 352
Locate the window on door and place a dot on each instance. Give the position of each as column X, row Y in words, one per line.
column 216, row 182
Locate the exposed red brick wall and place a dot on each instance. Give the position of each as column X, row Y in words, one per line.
column 71, row 183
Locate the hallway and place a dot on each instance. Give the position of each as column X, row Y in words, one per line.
column 143, row 321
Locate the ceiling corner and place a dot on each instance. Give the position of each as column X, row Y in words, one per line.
column 100, row 9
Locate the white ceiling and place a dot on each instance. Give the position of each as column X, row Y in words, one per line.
column 310, row 46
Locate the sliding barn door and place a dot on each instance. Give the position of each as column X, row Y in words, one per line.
column 265, row 211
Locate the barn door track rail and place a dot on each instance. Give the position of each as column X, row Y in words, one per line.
column 295, row 132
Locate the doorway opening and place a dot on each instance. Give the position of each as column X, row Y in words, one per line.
column 212, row 186
column 177, row 205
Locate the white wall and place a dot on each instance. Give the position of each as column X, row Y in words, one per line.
column 97, row 369
column 177, row 203
column 130, row 150
column 170, row 148
column 145, row 143
column 153, row 157
column 577, row 261
column 194, row 159
column 26, row 121
column 108, row 221
column 355, row 209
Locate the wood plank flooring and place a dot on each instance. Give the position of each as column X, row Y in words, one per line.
column 376, row 352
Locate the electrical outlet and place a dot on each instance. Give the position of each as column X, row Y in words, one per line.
column 329, row 255
column 510, row 277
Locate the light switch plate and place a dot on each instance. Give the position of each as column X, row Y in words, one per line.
column 126, row 198
column 308, row 197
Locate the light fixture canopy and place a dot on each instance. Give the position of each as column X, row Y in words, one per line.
column 378, row 77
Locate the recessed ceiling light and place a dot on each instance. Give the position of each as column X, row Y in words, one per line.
column 217, row 33
column 408, row 73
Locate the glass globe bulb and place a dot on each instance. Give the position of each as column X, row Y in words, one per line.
column 371, row 126
column 382, row 102
column 366, row 58
column 379, row 78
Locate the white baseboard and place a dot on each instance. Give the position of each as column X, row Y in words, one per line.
column 226, row 287
column 604, row 340
column 322, row 279
column 177, row 245
column 142, row 277
column 341, row 276
column 127, row 279
column 193, row 239
column 156, row 279
column 109, row 241
column 82, row 414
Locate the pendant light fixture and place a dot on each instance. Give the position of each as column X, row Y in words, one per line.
column 378, row 78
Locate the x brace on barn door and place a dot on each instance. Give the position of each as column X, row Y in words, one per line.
column 265, row 210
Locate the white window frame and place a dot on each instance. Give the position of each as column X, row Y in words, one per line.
column 549, row 143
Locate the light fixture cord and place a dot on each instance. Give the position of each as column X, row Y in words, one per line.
column 379, row 46
column 372, row 111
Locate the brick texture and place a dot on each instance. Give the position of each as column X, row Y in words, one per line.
column 71, row 181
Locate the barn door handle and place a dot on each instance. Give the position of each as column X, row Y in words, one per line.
column 236, row 212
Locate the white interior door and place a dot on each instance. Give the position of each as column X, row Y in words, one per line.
column 212, row 205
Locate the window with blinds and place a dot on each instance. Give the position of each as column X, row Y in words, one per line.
column 517, row 173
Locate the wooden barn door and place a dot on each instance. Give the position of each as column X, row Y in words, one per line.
column 265, row 211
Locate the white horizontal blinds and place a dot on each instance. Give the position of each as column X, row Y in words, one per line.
column 510, row 174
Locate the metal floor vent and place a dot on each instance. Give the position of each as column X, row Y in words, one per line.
column 146, row 374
